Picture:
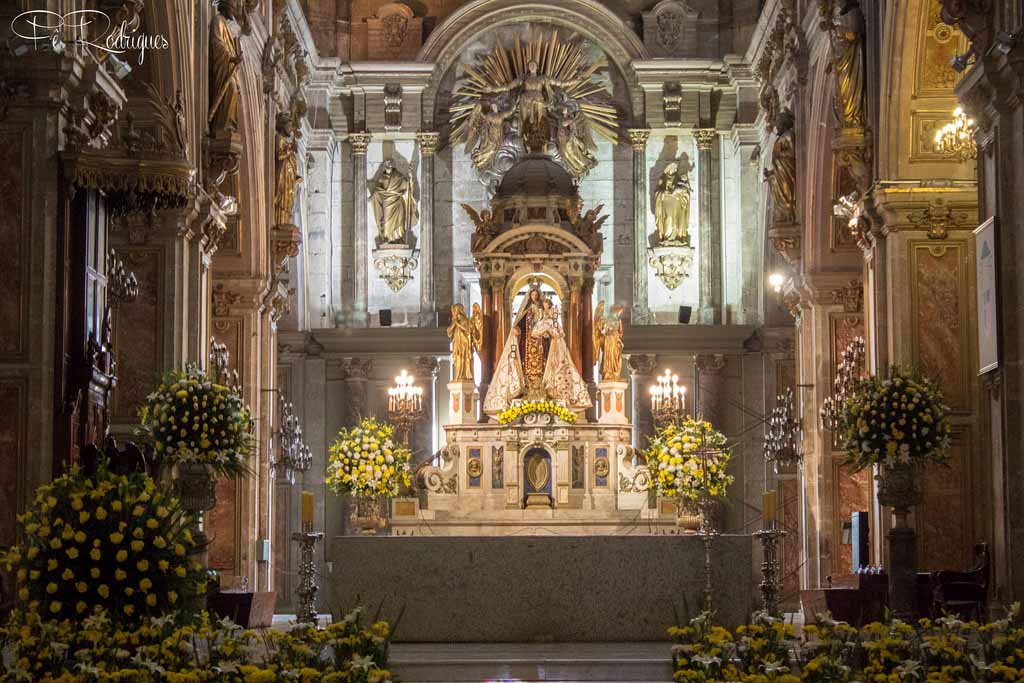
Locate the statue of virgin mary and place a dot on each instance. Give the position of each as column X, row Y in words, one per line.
column 535, row 360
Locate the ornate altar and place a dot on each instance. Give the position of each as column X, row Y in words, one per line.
column 535, row 442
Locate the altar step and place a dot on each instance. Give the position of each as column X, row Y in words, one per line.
column 529, row 662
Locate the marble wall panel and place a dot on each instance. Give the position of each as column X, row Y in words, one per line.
column 12, row 455
column 138, row 333
column 223, row 521
column 943, row 534
column 14, row 257
column 853, row 494
column 940, row 317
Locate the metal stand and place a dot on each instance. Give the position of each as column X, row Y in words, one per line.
column 770, row 569
column 708, row 534
column 306, row 592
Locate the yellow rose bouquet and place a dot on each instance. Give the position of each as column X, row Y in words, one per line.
column 895, row 419
column 110, row 540
column 516, row 412
column 688, row 459
column 192, row 419
column 366, row 461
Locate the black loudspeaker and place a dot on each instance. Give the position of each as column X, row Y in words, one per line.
column 684, row 314
column 859, row 539
column 384, row 315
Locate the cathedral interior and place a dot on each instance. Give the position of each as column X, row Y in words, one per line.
column 505, row 202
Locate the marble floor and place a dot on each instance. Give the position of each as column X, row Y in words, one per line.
column 529, row 662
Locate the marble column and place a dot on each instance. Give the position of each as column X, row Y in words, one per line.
column 641, row 374
column 711, row 387
column 710, row 226
column 356, row 372
column 422, row 438
column 751, row 225
column 428, row 306
column 360, row 255
column 638, row 139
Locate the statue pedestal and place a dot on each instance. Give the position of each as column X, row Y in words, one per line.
column 613, row 402
column 463, row 404
column 671, row 263
column 395, row 264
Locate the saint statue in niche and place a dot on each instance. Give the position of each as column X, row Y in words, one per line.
column 535, row 360
column 846, row 30
column 672, row 206
column 225, row 57
column 287, row 172
column 781, row 176
column 394, row 206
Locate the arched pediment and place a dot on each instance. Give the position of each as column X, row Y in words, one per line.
column 534, row 239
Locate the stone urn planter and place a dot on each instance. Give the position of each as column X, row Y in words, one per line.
column 688, row 516
column 900, row 489
column 367, row 515
column 195, row 485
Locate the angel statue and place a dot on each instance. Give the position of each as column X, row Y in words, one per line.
column 484, row 222
column 608, row 341
column 460, row 332
column 394, row 206
column 476, row 323
column 486, row 132
column 575, row 143
column 672, row 206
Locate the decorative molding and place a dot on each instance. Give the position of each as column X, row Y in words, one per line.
column 705, row 137
column 224, row 299
column 786, row 239
column 396, row 265
column 638, row 138
column 851, row 297
column 642, row 364
column 359, row 142
column 938, row 219
column 671, row 264
column 428, row 142
column 356, row 368
column 975, row 19
column 710, row 363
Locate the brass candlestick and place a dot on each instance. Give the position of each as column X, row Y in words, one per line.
column 307, row 589
column 770, row 568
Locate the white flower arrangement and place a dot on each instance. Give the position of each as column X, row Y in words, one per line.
column 366, row 461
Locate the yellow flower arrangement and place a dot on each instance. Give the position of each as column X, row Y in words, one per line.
column 366, row 461
column 944, row 650
column 895, row 419
column 688, row 459
column 96, row 559
column 513, row 413
column 192, row 419
column 161, row 649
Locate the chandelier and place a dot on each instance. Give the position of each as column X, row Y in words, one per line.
column 293, row 455
column 956, row 138
column 668, row 399
column 783, row 440
column 848, row 379
column 405, row 404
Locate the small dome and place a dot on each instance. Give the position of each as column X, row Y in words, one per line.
column 536, row 175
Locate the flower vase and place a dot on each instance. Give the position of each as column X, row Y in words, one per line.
column 898, row 488
column 367, row 515
column 688, row 516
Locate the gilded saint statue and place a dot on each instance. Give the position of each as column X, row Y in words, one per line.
column 287, row 173
column 782, row 174
column 847, row 34
column 394, row 206
column 672, row 206
column 460, row 332
column 476, row 323
column 225, row 58
column 608, row 341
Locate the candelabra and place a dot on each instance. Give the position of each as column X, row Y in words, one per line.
column 307, row 589
column 956, row 138
column 770, row 568
column 122, row 284
column 668, row 399
column 220, row 358
column 405, row 405
column 293, row 455
column 848, row 379
column 783, row 440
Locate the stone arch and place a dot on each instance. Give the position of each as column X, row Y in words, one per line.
column 917, row 83
column 587, row 17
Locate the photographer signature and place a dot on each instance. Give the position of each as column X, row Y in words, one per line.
column 86, row 28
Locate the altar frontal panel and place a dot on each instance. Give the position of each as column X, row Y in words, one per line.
column 522, row 589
